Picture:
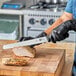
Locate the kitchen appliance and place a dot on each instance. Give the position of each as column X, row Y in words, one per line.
column 13, row 4
column 40, row 16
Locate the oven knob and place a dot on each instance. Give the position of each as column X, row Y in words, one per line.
column 43, row 21
column 32, row 21
column 51, row 21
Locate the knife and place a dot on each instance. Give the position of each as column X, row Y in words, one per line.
column 26, row 43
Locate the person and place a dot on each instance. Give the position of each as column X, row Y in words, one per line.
column 60, row 28
column 66, row 22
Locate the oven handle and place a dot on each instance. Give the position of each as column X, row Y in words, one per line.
column 37, row 29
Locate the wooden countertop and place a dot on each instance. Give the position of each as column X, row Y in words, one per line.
column 69, row 47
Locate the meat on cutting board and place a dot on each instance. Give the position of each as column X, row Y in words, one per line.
column 24, row 51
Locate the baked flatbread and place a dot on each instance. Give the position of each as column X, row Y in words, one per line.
column 14, row 61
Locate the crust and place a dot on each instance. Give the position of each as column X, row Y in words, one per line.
column 14, row 61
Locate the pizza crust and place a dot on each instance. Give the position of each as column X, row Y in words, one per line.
column 14, row 61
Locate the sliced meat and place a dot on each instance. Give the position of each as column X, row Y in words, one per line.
column 24, row 51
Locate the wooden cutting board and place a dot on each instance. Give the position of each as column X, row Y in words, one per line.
column 46, row 63
column 69, row 54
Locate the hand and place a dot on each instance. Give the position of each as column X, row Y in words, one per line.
column 55, row 36
column 61, row 32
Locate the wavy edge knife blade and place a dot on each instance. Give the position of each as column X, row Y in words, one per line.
column 26, row 43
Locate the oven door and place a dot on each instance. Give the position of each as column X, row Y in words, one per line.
column 33, row 33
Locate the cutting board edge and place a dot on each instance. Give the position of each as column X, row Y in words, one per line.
column 60, row 65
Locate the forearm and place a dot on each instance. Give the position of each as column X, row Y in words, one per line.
column 66, row 16
column 54, row 25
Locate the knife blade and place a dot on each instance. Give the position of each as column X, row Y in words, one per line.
column 26, row 43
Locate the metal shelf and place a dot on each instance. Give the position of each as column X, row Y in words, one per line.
column 13, row 12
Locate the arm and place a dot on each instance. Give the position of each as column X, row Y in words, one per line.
column 66, row 16
column 59, row 29
column 61, row 32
